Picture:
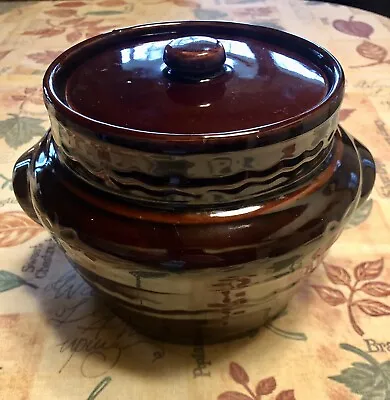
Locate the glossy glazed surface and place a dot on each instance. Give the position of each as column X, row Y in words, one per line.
column 127, row 86
column 194, row 237
column 208, row 180
column 205, row 117
column 213, row 275
column 194, row 58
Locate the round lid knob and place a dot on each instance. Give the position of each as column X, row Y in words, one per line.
column 195, row 56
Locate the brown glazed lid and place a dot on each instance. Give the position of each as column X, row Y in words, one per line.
column 186, row 80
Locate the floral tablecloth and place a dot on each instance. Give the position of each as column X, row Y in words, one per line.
column 58, row 342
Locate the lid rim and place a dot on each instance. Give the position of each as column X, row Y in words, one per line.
column 327, row 106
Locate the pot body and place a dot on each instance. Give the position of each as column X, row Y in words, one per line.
column 192, row 229
column 194, row 247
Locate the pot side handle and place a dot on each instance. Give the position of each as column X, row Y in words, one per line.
column 368, row 170
column 20, row 183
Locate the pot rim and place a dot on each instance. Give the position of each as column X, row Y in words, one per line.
column 270, row 133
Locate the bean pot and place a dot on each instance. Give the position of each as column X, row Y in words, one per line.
column 194, row 172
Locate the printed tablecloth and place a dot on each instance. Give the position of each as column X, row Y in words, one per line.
column 58, row 342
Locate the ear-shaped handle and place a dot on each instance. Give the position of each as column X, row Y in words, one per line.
column 21, row 184
column 369, row 171
column 368, row 167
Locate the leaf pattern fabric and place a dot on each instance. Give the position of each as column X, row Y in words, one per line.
column 58, row 341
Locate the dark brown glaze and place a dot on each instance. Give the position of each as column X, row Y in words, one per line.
column 127, row 87
column 195, row 236
column 105, row 222
column 194, row 57
column 285, row 82
column 20, row 182
column 264, row 247
column 368, row 168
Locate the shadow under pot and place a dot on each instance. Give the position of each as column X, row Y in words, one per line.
column 194, row 172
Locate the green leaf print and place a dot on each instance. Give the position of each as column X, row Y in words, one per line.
column 286, row 334
column 357, row 380
column 9, row 281
column 202, row 13
column 386, row 369
column 18, row 130
column 6, row 6
column 371, row 379
column 99, row 388
column 283, row 332
column 5, row 183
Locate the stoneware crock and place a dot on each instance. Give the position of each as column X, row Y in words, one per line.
column 194, row 172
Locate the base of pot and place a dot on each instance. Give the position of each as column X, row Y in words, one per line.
column 191, row 331
column 218, row 316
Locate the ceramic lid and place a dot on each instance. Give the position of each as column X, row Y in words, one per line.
column 195, row 78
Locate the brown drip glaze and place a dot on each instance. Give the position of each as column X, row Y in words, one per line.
column 197, row 224
column 165, row 137
column 127, row 86
column 194, row 58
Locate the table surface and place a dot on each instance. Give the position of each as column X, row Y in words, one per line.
column 56, row 341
